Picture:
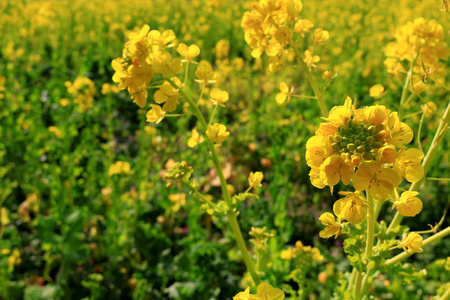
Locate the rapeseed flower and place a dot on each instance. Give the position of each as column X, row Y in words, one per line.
column 408, row 205
column 217, row 133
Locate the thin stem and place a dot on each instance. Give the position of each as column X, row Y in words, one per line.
column 405, row 89
column 370, row 227
column 432, row 239
column 311, row 80
column 304, row 97
column 446, row 295
column 213, row 113
column 419, row 131
column 438, row 137
column 223, row 183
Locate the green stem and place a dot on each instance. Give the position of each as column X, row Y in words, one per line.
column 223, row 183
column 446, row 296
column 438, row 137
column 311, row 80
column 432, row 239
column 357, row 291
column 405, row 89
column 370, row 227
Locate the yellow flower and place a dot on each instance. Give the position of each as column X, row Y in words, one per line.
column 332, row 227
column 351, row 207
column 316, row 180
column 408, row 205
column 302, row 26
column 188, row 52
column 120, row 167
column 318, row 149
column 178, row 200
column 55, row 130
column 380, row 181
column 412, row 242
column 408, row 163
column 219, row 97
column 310, row 59
column 243, row 295
column 339, row 115
column 168, row 95
column 217, row 133
column 334, row 169
column 64, row 102
column 14, row 258
column 195, row 139
column 156, row 114
column 399, row 132
column 255, row 179
column 285, row 94
column 386, row 154
column 166, row 66
column 321, row 36
column 265, row 291
column 287, row 254
column 205, row 73
column 376, row 91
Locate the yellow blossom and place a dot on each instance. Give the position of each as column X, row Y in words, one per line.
column 217, row 133
column 64, row 102
column 166, row 66
column 321, row 36
column 408, row 205
column 255, row 179
column 332, row 227
column 351, row 207
column 245, row 295
column 379, row 180
column 188, row 52
column 168, row 95
column 399, row 132
column 335, row 169
column 412, row 243
column 195, row 139
column 408, row 163
column 55, row 130
column 285, row 94
column 178, row 200
column 302, row 26
column 265, row 291
column 120, row 167
column 287, row 254
column 376, row 91
column 156, row 114
column 205, row 73
column 310, row 59
column 219, row 97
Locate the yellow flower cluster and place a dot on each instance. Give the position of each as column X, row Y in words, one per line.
column 421, row 42
column 360, row 146
column 84, row 90
column 264, row 291
column 271, row 26
column 300, row 250
column 120, row 167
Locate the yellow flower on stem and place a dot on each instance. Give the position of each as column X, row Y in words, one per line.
column 318, row 149
column 156, row 114
column 399, row 132
column 205, row 73
column 378, row 180
column 408, row 163
column 265, row 291
column 285, row 94
column 310, row 59
column 332, row 227
column 302, row 26
column 287, row 254
column 166, row 66
column 376, row 91
column 245, row 295
column 408, row 205
column 168, row 95
column 412, row 242
column 195, row 139
column 335, row 169
column 321, row 36
column 255, row 179
column 351, row 207
column 339, row 115
column 188, row 52
column 217, row 133
column 219, row 97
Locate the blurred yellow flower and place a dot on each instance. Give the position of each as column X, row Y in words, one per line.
column 255, row 179
column 321, row 36
column 219, row 97
column 120, row 167
column 310, row 59
column 155, row 114
column 217, row 133
column 287, row 254
column 285, row 94
column 205, row 73
column 195, row 139
column 168, row 95
column 188, row 52
column 376, row 91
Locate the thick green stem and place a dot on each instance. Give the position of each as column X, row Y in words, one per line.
column 446, row 295
column 426, row 162
column 357, row 291
column 223, row 183
column 311, row 80
column 432, row 239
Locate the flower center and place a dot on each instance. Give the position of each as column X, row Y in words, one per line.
column 358, row 139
